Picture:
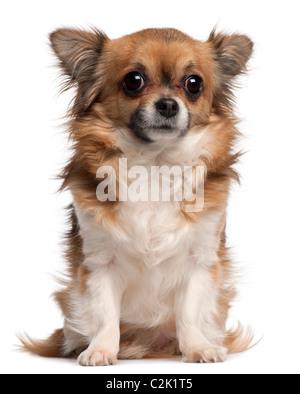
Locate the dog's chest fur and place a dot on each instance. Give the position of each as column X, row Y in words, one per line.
column 151, row 247
column 153, row 252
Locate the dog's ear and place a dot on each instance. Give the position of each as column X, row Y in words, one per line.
column 79, row 53
column 231, row 52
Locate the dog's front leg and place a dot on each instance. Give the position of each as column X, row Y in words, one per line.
column 200, row 338
column 101, row 304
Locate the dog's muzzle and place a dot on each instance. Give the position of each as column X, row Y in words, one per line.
column 166, row 118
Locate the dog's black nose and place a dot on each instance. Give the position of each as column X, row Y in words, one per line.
column 167, row 107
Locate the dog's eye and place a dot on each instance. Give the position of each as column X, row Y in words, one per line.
column 134, row 82
column 194, row 84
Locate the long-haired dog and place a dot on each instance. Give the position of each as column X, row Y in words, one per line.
column 148, row 278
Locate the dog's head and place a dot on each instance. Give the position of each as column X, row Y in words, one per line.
column 158, row 83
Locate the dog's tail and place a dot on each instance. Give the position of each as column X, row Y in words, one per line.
column 54, row 347
column 50, row 347
column 239, row 340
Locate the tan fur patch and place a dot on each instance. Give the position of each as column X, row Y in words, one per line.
column 83, row 277
column 215, row 272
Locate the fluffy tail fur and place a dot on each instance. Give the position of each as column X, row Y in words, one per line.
column 237, row 340
column 51, row 347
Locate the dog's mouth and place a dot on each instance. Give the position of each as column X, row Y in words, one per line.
column 154, row 133
column 163, row 128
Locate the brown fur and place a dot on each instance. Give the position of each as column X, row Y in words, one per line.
column 96, row 65
column 236, row 341
column 51, row 347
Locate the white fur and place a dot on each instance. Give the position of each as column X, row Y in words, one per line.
column 150, row 270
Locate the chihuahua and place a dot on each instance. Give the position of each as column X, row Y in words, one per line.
column 148, row 277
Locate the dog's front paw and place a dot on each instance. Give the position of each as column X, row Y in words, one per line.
column 206, row 354
column 92, row 358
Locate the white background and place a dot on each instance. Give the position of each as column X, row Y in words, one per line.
column 264, row 212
